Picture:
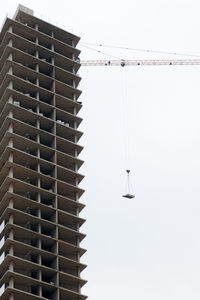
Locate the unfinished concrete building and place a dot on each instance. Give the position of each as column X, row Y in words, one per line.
column 39, row 180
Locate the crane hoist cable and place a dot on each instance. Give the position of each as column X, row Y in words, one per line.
column 125, row 121
column 126, row 136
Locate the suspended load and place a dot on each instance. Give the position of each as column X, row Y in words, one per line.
column 129, row 194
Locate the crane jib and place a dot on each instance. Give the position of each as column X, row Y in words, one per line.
column 154, row 62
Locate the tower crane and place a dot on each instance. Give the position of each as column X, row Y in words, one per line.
column 153, row 62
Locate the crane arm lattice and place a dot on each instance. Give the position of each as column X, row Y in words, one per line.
column 153, row 62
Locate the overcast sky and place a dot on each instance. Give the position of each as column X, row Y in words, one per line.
column 145, row 119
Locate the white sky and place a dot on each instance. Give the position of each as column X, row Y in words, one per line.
column 147, row 248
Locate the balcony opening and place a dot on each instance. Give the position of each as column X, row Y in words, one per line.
column 48, row 200
column 34, row 290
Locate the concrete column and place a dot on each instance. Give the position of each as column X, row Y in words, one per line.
column 74, row 97
column 11, row 219
column 38, row 136
column 10, row 43
column 10, row 85
column 39, row 274
column 40, row 291
column 11, row 203
column 10, row 56
column 10, row 99
column 39, row 197
column 37, row 93
column 40, row 278
column 57, row 273
column 38, row 155
column 11, row 250
column 76, row 197
column 75, row 153
column 11, row 266
column 39, row 240
column 10, row 159
column 39, row 230
column 10, row 28
column 37, row 54
column 78, row 244
column 37, row 68
column 38, row 170
column 10, row 143
column 73, row 57
column 10, row 129
column 38, row 181
column 10, row 71
column 10, row 172
column 11, row 188
column 53, row 87
column 75, row 125
column 54, row 126
column 11, row 113
column 11, row 297
column 11, row 234
column 38, row 121
column 74, row 84
column 11, row 282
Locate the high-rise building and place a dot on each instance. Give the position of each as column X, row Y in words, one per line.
column 39, row 180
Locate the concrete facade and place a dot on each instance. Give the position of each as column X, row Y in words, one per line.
column 39, row 180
